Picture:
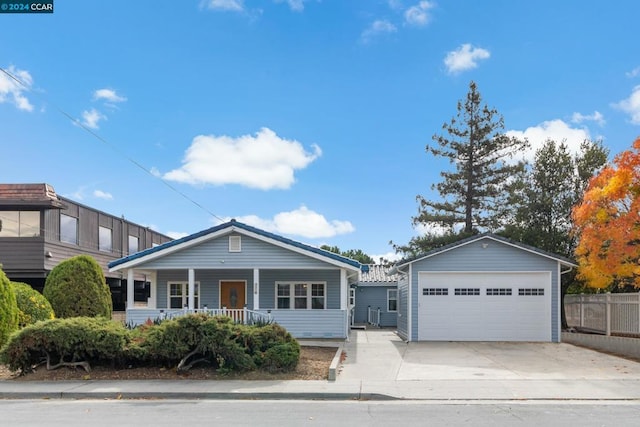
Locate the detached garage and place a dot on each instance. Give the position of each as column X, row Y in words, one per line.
column 485, row 288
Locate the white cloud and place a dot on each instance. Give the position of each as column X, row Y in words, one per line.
column 176, row 234
column 380, row 26
column 633, row 73
column 418, row 14
column 389, row 256
column 595, row 117
column 631, row 105
column 108, row 95
column 92, row 117
column 556, row 130
column 102, row 195
column 12, row 91
column 224, row 5
column 464, row 58
column 395, row 4
column 299, row 222
column 264, row 161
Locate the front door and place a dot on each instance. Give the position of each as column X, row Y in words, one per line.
column 232, row 294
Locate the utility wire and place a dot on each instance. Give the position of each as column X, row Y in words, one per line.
column 117, row 150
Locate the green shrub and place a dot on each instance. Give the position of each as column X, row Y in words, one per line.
column 78, row 339
column 198, row 338
column 8, row 309
column 281, row 357
column 77, row 287
column 32, row 305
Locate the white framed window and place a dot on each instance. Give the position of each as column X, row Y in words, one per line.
column 301, row 295
column 392, row 300
column 352, row 297
column 68, row 229
column 105, row 239
column 179, row 294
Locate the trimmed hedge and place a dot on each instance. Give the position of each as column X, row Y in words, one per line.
column 8, row 309
column 73, row 341
column 181, row 343
column 77, row 287
column 32, row 305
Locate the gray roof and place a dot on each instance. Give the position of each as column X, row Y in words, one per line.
column 562, row 260
column 376, row 273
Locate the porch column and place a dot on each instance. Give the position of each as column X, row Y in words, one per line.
column 130, row 289
column 344, row 293
column 256, row 289
column 152, row 302
column 192, row 288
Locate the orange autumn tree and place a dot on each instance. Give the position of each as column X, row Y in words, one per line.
column 607, row 222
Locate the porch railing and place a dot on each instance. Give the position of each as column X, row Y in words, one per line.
column 373, row 316
column 238, row 315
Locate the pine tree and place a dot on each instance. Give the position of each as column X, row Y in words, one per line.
column 475, row 193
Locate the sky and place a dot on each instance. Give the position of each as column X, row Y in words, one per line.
column 305, row 118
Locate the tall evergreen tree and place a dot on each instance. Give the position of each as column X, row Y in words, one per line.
column 475, row 193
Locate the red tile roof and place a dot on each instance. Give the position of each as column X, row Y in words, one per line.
column 29, row 195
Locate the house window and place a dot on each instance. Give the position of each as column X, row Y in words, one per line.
column 133, row 244
column 352, row 297
column 19, row 224
column 179, row 294
column 68, row 229
column 301, row 295
column 105, row 239
column 392, row 300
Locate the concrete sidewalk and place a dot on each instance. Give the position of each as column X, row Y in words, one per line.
column 381, row 366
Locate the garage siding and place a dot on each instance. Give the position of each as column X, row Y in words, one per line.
column 485, row 255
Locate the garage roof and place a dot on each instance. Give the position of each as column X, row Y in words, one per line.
column 490, row 236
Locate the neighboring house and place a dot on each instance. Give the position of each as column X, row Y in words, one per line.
column 483, row 288
column 39, row 229
column 236, row 267
column 375, row 297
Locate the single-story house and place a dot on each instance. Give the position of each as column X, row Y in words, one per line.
column 483, row 288
column 244, row 271
column 375, row 297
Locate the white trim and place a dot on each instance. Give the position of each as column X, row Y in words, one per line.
column 223, row 232
column 344, row 292
column 309, row 295
column 191, row 289
column 558, row 325
column 235, row 281
column 410, row 302
column 152, row 302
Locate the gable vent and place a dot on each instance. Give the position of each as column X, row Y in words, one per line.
column 235, row 244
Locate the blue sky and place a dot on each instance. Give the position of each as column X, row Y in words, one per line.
column 306, row 118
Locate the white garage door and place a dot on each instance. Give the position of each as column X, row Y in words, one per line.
column 512, row 306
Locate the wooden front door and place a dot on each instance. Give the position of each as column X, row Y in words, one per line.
column 232, row 294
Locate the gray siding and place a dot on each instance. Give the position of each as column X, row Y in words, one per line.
column 313, row 323
column 374, row 297
column 403, row 307
column 209, row 285
column 255, row 253
column 21, row 255
column 268, row 279
column 497, row 256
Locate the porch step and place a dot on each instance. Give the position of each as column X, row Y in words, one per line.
column 359, row 327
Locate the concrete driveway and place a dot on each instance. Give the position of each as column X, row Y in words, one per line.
column 487, row 369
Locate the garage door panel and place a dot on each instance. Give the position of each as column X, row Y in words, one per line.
column 493, row 310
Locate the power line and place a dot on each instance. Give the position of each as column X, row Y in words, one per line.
column 117, row 150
